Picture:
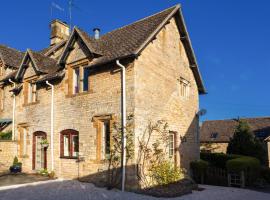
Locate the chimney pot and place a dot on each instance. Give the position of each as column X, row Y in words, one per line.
column 97, row 33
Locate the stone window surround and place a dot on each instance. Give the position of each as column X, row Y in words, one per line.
column 184, row 87
column 70, row 67
column 97, row 121
column 70, row 133
column 26, row 90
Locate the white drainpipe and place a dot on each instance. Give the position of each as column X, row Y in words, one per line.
column 13, row 110
column 124, row 120
column 52, row 123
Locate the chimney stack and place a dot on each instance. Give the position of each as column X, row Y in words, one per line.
column 59, row 31
column 97, row 33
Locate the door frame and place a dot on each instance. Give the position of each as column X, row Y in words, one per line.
column 38, row 133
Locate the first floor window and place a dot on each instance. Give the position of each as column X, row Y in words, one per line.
column 81, row 76
column 69, row 144
column 76, row 80
column 171, row 145
column 184, row 87
column 32, row 92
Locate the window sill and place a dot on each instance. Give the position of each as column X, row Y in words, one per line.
column 30, row 104
column 79, row 94
column 69, row 158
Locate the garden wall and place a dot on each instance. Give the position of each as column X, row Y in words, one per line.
column 7, row 153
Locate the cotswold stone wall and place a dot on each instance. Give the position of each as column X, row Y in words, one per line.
column 7, row 154
column 157, row 92
column 214, row 147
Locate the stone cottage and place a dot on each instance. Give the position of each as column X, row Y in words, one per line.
column 71, row 92
column 215, row 134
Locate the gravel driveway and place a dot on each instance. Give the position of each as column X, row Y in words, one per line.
column 69, row 190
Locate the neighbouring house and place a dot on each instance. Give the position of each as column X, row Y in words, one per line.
column 215, row 134
column 81, row 78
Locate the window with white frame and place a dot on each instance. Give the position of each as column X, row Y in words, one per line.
column 184, row 87
column 171, row 145
column 80, row 80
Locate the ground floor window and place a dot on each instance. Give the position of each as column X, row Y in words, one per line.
column 106, row 139
column 69, row 144
column 171, row 145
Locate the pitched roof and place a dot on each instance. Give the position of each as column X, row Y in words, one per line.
column 223, row 130
column 11, row 57
column 47, row 51
column 130, row 40
column 42, row 63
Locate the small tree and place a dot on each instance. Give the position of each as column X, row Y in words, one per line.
column 243, row 142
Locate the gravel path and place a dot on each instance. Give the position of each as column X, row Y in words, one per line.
column 74, row 190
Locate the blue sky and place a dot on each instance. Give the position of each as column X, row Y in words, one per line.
column 230, row 38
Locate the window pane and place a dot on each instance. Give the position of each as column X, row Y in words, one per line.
column 76, row 80
column 106, row 140
column 86, row 74
column 30, row 92
column 75, row 145
column 66, row 145
column 171, row 145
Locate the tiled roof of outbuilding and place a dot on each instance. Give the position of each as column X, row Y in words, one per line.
column 224, row 129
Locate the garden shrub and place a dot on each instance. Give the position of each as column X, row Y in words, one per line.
column 199, row 168
column 218, row 159
column 6, row 135
column 165, row 172
column 265, row 174
column 249, row 165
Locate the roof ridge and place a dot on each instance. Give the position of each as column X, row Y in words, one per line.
column 142, row 19
column 5, row 46
column 232, row 119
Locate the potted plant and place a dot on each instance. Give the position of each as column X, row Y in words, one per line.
column 44, row 143
column 16, row 166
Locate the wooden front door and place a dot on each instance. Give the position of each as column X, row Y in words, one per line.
column 39, row 160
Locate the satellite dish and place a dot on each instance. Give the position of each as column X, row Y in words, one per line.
column 202, row 112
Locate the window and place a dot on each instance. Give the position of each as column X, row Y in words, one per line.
column 69, row 147
column 171, row 145
column 23, row 142
column 2, row 95
column 86, row 74
column 184, row 87
column 214, row 135
column 80, row 80
column 31, row 92
column 106, row 140
column 76, row 80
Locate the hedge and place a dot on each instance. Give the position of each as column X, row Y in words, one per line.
column 265, row 173
column 6, row 135
column 218, row 159
column 199, row 168
column 249, row 165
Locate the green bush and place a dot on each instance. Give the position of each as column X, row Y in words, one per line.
column 16, row 162
column 249, row 165
column 199, row 168
column 265, row 174
column 165, row 173
column 218, row 159
column 6, row 135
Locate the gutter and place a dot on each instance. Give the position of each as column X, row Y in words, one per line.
column 124, row 121
column 52, row 124
column 13, row 110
